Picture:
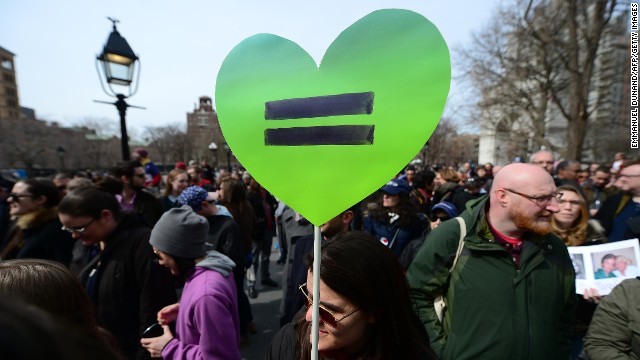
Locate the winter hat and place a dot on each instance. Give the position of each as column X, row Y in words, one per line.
column 181, row 165
column 397, row 186
column 142, row 152
column 447, row 207
column 193, row 196
column 181, row 232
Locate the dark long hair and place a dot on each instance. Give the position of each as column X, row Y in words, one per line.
column 407, row 210
column 46, row 188
column 234, row 197
column 369, row 275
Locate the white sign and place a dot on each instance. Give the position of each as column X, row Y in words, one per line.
column 602, row 267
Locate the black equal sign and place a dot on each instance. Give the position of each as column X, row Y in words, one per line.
column 320, row 106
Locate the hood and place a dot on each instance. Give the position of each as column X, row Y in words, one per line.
column 223, row 211
column 217, row 262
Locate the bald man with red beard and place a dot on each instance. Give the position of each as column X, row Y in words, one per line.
column 511, row 293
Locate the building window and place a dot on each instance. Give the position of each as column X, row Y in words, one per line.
column 7, row 64
column 203, row 122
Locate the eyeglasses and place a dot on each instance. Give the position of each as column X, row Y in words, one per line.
column 16, row 197
column 435, row 218
column 325, row 315
column 629, row 176
column 572, row 202
column 79, row 229
column 539, row 200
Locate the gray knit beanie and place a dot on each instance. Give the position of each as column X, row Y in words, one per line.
column 181, row 232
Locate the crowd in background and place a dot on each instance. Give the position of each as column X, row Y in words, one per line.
column 195, row 244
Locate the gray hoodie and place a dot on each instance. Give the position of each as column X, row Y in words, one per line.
column 218, row 262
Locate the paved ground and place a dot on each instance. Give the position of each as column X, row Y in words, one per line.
column 266, row 314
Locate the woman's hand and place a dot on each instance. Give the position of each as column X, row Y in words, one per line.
column 591, row 295
column 155, row 345
column 168, row 314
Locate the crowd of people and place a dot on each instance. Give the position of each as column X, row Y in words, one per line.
column 108, row 257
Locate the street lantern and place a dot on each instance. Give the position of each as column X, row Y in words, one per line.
column 118, row 60
column 118, row 65
column 213, row 147
column 61, row 151
column 228, row 151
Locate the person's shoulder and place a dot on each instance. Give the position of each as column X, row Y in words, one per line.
column 283, row 345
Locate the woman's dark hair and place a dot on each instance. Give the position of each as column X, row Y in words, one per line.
column 407, row 210
column 234, row 197
column 46, row 188
column 186, row 266
column 357, row 266
column 423, row 179
column 23, row 323
column 50, row 286
column 89, row 201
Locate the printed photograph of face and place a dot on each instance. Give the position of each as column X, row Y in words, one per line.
column 578, row 265
column 621, row 263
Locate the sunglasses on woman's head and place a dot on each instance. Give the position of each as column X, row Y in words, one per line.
column 325, row 314
column 16, row 197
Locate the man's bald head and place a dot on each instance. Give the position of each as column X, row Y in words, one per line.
column 518, row 175
column 543, row 159
column 514, row 205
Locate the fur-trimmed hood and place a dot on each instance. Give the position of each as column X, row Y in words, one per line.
column 35, row 218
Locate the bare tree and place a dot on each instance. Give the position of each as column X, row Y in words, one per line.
column 577, row 46
column 99, row 133
column 169, row 141
column 438, row 149
column 537, row 57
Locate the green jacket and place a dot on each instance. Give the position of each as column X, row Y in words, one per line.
column 493, row 310
column 614, row 333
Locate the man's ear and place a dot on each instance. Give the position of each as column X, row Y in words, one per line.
column 347, row 217
column 107, row 215
column 501, row 195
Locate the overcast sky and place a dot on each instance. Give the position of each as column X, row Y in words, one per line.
column 181, row 45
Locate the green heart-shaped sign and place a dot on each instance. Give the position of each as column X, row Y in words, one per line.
column 321, row 139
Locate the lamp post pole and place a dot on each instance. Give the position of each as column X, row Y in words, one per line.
column 61, row 152
column 122, row 106
column 213, row 147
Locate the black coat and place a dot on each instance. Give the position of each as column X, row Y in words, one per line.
column 149, row 207
column 610, row 210
column 38, row 235
column 130, row 287
column 225, row 237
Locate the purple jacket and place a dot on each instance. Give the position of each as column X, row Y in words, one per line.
column 207, row 326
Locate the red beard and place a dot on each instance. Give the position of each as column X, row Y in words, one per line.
column 533, row 225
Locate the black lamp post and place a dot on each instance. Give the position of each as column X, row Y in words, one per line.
column 61, row 151
column 213, row 148
column 228, row 150
column 117, row 62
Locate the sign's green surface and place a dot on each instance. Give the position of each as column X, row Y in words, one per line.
column 389, row 73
